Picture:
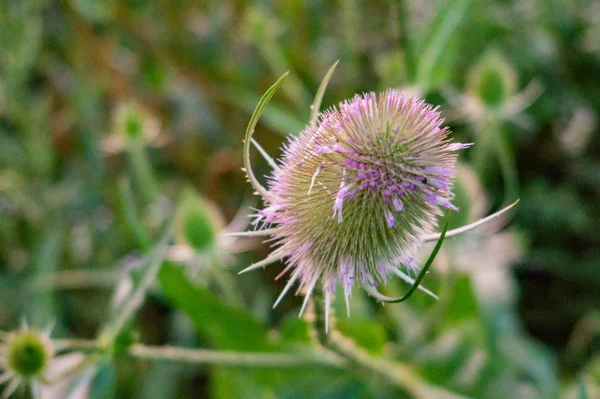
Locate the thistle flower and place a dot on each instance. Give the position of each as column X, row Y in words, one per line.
column 357, row 193
column 25, row 357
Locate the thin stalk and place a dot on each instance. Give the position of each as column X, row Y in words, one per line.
column 134, row 301
column 142, row 171
column 397, row 374
column 507, row 164
column 132, row 217
column 85, row 345
column 226, row 358
column 74, row 279
column 210, row 356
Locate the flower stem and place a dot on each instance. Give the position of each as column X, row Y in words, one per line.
column 210, row 356
column 142, row 171
column 394, row 373
column 227, row 358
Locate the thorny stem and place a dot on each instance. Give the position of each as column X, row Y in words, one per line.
column 210, row 356
column 223, row 358
column 396, row 374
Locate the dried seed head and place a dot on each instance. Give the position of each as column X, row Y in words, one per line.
column 355, row 196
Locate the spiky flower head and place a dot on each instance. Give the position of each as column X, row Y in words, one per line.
column 356, row 194
column 26, row 355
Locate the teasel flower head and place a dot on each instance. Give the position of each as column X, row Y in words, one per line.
column 357, row 193
column 25, row 358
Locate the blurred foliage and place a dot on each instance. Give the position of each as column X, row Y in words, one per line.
column 110, row 110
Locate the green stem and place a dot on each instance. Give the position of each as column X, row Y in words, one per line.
column 134, row 301
column 132, row 217
column 507, row 164
column 142, row 171
column 226, row 358
column 85, row 345
column 394, row 373
column 74, row 279
column 210, row 356
column 226, row 284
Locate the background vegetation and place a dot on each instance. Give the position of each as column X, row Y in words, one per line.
column 118, row 117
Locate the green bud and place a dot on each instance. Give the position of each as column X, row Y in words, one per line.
column 134, row 124
column 493, row 79
column 28, row 353
column 199, row 221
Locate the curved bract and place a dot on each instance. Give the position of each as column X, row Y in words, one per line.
column 250, row 131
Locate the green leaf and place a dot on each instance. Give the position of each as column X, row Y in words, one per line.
column 367, row 334
column 443, row 358
column 295, row 330
column 226, row 327
column 463, row 304
column 316, row 106
column 103, row 384
column 442, row 30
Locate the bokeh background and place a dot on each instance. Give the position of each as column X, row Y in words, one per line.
column 117, row 117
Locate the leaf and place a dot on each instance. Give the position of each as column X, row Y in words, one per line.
column 316, row 106
column 442, row 358
column 463, row 305
column 103, row 384
column 226, row 327
column 442, row 30
column 295, row 330
column 367, row 334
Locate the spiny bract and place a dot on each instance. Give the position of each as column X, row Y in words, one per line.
column 355, row 195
